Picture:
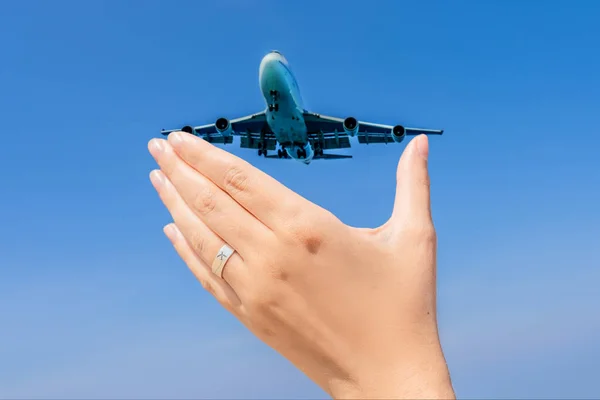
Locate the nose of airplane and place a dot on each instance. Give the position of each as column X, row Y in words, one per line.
column 271, row 72
column 269, row 60
column 271, row 56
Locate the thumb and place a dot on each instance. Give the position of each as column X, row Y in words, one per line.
column 412, row 204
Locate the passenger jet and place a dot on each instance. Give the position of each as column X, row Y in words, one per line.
column 302, row 135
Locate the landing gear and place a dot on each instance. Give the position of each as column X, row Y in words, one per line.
column 274, row 106
column 282, row 153
column 301, row 153
column 318, row 151
column 262, row 149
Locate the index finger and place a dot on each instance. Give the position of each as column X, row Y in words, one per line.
column 267, row 199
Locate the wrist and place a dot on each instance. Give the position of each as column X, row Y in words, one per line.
column 418, row 385
column 426, row 377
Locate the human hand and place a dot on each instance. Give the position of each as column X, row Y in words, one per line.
column 354, row 309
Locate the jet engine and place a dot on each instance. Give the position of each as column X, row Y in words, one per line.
column 223, row 126
column 188, row 129
column 398, row 133
column 351, row 126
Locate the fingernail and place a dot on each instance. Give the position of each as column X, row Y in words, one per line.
column 176, row 138
column 423, row 146
column 171, row 231
column 156, row 146
column 157, row 178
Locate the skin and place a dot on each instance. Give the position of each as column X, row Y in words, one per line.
column 352, row 308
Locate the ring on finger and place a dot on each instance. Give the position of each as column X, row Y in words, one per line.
column 224, row 253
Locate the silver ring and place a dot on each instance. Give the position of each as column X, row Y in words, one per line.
column 220, row 259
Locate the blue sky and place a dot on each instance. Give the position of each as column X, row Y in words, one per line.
column 94, row 302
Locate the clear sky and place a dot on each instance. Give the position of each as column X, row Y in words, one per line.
column 94, row 302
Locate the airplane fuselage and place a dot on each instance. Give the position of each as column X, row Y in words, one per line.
column 285, row 108
column 302, row 135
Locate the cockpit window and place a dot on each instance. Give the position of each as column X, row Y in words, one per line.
column 276, row 52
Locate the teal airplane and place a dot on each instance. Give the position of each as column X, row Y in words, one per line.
column 301, row 134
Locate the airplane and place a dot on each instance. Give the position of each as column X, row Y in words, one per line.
column 301, row 134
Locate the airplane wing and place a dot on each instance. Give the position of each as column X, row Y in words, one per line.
column 335, row 135
column 324, row 156
column 252, row 129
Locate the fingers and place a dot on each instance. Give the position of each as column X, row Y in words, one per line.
column 267, row 199
column 215, row 286
column 241, row 230
column 200, row 238
column 412, row 202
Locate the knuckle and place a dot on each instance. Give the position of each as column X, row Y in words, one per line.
column 198, row 243
column 424, row 232
column 236, row 179
column 265, row 331
column 430, row 236
column 427, row 231
column 263, row 303
column 424, row 180
column 204, row 201
column 212, row 287
column 276, row 273
column 208, row 286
